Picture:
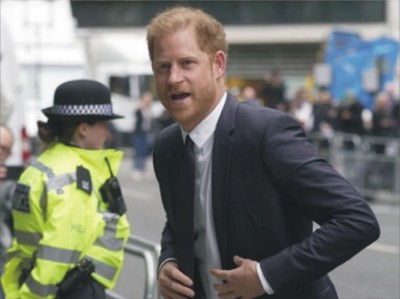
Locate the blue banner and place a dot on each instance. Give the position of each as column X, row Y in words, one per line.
column 350, row 57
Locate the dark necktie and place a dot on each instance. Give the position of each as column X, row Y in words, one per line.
column 184, row 210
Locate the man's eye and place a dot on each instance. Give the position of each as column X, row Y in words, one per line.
column 163, row 66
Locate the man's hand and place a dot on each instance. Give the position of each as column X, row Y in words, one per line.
column 173, row 284
column 242, row 282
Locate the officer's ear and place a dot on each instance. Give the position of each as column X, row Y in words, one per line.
column 83, row 130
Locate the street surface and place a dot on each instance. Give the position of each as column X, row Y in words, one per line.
column 372, row 274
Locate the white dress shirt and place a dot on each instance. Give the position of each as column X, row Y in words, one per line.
column 205, row 245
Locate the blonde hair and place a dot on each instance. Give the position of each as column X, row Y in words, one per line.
column 210, row 33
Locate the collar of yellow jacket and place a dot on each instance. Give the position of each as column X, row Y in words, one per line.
column 95, row 158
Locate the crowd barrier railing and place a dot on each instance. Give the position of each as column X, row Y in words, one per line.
column 149, row 252
column 371, row 164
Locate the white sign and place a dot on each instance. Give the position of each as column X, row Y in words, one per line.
column 322, row 74
column 370, row 80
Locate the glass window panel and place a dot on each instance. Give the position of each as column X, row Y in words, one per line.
column 139, row 13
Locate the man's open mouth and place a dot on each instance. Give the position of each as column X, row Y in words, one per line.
column 180, row 96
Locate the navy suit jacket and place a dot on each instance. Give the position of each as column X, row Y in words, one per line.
column 268, row 187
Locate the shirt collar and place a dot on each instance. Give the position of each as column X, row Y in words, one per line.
column 206, row 127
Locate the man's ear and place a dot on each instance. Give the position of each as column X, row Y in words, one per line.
column 219, row 64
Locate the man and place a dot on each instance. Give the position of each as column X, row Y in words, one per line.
column 249, row 96
column 6, row 189
column 6, row 142
column 141, row 141
column 274, row 90
column 258, row 182
column 7, row 184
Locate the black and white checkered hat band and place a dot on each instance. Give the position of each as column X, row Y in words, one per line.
column 100, row 109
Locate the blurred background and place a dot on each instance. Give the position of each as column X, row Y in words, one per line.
column 332, row 65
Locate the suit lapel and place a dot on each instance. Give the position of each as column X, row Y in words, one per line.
column 222, row 151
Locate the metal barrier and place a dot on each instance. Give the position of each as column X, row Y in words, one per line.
column 150, row 253
column 371, row 164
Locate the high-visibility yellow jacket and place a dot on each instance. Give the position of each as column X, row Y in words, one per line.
column 60, row 218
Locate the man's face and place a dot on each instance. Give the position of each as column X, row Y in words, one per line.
column 186, row 77
column 6, row 141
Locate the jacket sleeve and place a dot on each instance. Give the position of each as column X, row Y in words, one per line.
column 162, row 175
column 12, row 269
column 314, row 188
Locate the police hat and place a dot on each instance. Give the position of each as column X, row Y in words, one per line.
column 81, row 100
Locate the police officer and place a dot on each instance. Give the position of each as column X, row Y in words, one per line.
column 69, row 232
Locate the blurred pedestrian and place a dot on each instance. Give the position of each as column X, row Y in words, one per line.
column 383, row 122
column 6, row 142
column 350, row 120
column 324, row 114
column 350, row 115
column 142, row 135
column 69, row 216
column 274, row 90
column 396, row 117
column 7, row 186
column 241, row 185
column 249, row 96
column 302, row 109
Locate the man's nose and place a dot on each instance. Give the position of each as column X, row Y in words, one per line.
column 175, row 75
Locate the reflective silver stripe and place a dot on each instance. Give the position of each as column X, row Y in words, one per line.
column 43, row 168
column 109, row 218
column 58, row 254
column 54, row 182
column 28, row 238
column 40, row 289
column 108, row 240
column 60, row 181
column 102, row 269
column 43, row 203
